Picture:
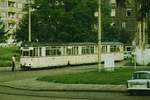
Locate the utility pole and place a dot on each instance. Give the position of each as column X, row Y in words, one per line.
column 99, row 35
column 29, row 11
column 140, row 34
column 144, row 33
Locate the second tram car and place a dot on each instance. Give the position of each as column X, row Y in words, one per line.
column 38, row 56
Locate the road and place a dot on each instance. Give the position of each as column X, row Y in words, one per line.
column 14, row 94
column 7, row 93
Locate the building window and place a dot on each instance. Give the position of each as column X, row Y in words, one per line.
column 20, row 15
column 11, row 4
column 20, row 1
column 128, row 12
column 3, row 4
column 11, row 25
column 112, row 24
column 11, row 14
column 123, row 24
column 129, row 2
column 113, row 12
column 3, row 14
column 19, row 10
column 20, row 5
column 112, row 1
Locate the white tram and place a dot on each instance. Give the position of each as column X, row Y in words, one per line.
column 38, row 56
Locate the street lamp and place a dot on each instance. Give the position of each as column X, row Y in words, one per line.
column 29, row 11
column 99, row 35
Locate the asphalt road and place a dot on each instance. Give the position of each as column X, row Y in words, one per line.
column 7, row 93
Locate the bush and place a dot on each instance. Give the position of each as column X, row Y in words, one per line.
column 5, row 63
column 5, row 55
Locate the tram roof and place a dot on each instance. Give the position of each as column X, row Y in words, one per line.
column 70, row 44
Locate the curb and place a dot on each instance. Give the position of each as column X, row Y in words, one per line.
column 69, row 90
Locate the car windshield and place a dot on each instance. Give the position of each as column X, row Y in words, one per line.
column 141, row 76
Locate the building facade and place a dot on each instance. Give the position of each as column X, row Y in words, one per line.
column 124, row 17
column 11, row 11
column 127, row 18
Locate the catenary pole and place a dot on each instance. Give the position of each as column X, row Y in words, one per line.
column 99, row 35
column 29, row 21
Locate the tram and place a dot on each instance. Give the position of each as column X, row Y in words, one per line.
column 51, row 55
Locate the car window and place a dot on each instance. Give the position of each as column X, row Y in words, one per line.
column 141, row 76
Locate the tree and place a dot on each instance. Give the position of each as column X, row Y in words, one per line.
column 2, row 31
column 112, row 32
column 61, row 21
column 109, row 33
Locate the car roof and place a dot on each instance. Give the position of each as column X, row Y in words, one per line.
column 142, row 72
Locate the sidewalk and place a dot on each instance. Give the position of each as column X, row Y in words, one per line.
column 34, row 85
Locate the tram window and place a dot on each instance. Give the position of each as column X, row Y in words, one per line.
column 75, row 50
column 117, row 48
column 47, row 51
column 25, row 53
column 88, row 50
column 104, row 49
column 92, row 50
column 83, row 50
column 72, row 50
column 40, row 51
column 31, row 53
column 53, row 51
column 58, row 52
column 35, row 51
column 114, row 49
column 69, row 51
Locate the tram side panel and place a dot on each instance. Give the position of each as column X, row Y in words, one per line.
column 38, row 62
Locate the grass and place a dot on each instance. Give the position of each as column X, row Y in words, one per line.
column 5, row 55
column 119, row 76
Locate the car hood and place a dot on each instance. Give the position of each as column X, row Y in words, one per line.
column 138, row 80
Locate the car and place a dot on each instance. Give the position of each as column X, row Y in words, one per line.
column 140, row 82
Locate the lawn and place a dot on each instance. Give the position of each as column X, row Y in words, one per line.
column 119, row 76
column 5, row 55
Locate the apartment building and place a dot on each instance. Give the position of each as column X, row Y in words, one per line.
column 11, row 11
column 127, row 18
column 124, row 18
